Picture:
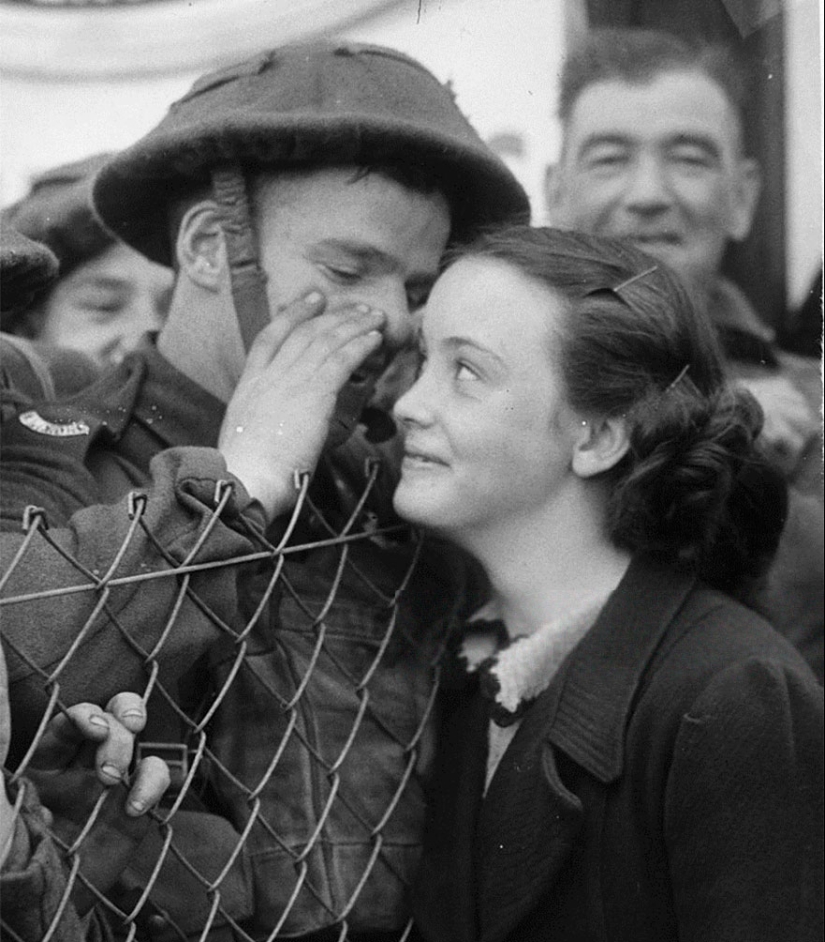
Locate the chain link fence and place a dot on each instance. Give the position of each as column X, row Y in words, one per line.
column 298, row 732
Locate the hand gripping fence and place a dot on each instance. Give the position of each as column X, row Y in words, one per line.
column 298, row 729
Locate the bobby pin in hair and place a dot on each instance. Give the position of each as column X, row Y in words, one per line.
column 617, row 290
column 642, row 274
column 679, row 378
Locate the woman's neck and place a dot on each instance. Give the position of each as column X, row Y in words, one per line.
column 550, row 566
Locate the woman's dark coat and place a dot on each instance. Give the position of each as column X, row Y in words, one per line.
column 667, row 785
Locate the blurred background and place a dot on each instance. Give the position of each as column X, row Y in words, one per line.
column 80, row 76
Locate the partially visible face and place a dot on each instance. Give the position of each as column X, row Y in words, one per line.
column 357, row 239
column 660, row 164
column 104, row 306
column 488, row 434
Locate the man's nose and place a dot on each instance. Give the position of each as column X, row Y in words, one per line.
column 144, row 314
column 401, row 320
column 648, row 189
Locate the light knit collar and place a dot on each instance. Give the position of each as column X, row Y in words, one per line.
column 513, row 672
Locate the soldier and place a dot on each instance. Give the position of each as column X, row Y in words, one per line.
column 82, row 755
column 107, row 295
column 305, row 198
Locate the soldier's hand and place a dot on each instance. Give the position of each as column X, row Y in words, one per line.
column 279, row 416
column 81, row 771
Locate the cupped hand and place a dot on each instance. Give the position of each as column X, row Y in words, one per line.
column 278, row 418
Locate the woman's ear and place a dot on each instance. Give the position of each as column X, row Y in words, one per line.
column 601, row 444
column 200, row 247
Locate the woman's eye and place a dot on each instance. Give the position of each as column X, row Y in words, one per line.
column 464, row 372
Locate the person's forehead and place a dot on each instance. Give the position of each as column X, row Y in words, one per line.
column 671, row 104
column 331, row 193
column 368, row 213
column 122, row 263
column 487, row 298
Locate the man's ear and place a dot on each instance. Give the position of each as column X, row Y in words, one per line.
column 747, row 187
column 601, row 444
column 200, row 247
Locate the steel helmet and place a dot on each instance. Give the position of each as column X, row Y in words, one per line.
column 322, row 102
column 57, row 211
column 26, row 268
column 313, row 104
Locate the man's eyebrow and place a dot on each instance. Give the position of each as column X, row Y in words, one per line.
column 600, row 139
column 362, row 251
column 702, row 141
column 103, row 281
column 370, row 255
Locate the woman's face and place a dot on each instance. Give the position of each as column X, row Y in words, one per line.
column 488, row 434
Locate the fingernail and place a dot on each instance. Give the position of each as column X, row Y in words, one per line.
column 97, row 720
column 314, row 297
column 136, row 806
column 135, row 714
column 112, row 771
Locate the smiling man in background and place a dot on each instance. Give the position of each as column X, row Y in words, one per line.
column 653, row 151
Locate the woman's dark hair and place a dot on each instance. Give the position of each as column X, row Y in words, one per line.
column 694, row 489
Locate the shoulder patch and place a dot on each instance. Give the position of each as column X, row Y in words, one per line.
column 34, row 421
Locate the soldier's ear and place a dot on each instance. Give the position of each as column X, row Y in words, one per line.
column 746, row 190
column 200, row 247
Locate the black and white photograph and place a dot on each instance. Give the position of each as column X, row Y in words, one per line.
column 411, row 471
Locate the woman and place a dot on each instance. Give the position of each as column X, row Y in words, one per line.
column 631, row 754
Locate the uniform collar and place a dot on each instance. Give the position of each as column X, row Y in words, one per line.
column 602, row 675
column 173, row 407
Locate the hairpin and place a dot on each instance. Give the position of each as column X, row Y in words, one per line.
column 617, row 289
column 629, row 281
column 679, row 378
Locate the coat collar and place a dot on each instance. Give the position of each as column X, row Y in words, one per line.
column 603, row 673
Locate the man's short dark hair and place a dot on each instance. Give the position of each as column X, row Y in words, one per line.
column 639, row 55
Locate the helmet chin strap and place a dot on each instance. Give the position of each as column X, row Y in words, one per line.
column 247, row 278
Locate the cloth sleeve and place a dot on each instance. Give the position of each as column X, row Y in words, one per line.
column 115, row 618
column 744, row 809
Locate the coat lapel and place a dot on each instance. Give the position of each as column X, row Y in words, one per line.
column 527, row 827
